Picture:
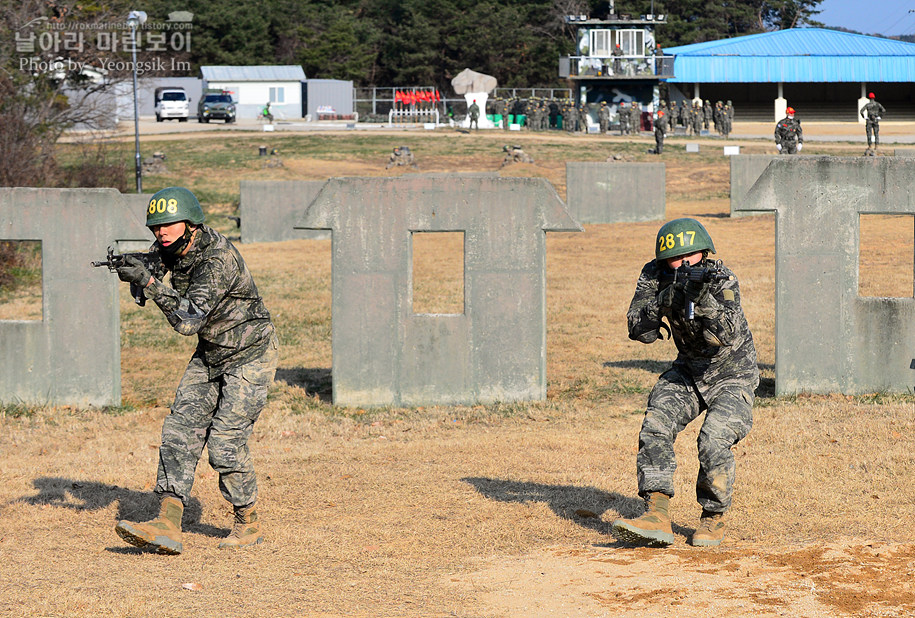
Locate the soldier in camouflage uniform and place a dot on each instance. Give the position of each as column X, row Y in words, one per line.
column 570, row 118
column 715, row 371
column 635, row 117
column 789, row 137
column 474, row 112
column 603, row 116
column 660, row 132
column 707, row 114
column 211, row 294
column 872, row 112
column 697, row 118
column 622, row 115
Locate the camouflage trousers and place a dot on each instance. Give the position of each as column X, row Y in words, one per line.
column 218, row 413
column 673, row 404
column 872, row 128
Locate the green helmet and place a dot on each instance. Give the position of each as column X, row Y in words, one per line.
column 681, row 237
column 171, row 205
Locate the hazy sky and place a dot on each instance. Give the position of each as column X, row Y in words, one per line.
column 889, row 17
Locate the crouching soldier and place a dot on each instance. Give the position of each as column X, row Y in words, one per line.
column 402, row 155
column 211, row 294
column 515, row 155
column 715, row 372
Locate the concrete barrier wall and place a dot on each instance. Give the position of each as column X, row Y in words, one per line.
column 615, row 192
column 904, row 152
column 269, row 209
column 745, row 171
column 383, row 353
column 73, row 355
column 827, row 338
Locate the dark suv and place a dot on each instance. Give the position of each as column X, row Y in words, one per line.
column 216, row 106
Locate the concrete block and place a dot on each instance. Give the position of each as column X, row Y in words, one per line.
column 383, row 353
column 692, row 147
column 730, row 151
column 827, row 338
column 269, row 209
column 615, row 192
column 73, row 355
column 745, row 171
column 904, row 152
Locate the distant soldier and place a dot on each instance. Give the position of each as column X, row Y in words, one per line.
column 603, row 117
column 474, row 112
column 570, row 121
column 789, row 139
column 719, row 108
column 658, row 60
column 726, row 118
column 514, row 154
column 685, row 114
column 707, row 114
column 400, row 156
column 730, row 107
column 697, row 118
column 872, row 111
column 617, row 54
column 635, row 117
column 506, row 112
column 673, row 114
column 623, row 115
column 583, row 115
column 660, row 129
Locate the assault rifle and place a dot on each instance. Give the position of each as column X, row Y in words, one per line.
column 713, row 271
column 116, row 260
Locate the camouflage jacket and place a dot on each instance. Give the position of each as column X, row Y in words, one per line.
column 212, row 294
column 873, row 110
column 788, row 131
column 716, row 346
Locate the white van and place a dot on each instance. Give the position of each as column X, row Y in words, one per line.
column 171, row 103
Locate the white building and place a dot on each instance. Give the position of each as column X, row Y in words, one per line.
column 253, row 86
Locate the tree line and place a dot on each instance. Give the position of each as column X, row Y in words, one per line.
column 393, row 43
column 427, row 42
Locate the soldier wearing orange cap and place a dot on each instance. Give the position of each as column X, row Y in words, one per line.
column 789, row 138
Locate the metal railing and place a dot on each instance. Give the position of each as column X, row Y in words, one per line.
column 616, row 67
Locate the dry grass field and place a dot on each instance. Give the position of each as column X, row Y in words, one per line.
column 477, row 511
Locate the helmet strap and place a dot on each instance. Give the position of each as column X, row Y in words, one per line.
column 174, row 250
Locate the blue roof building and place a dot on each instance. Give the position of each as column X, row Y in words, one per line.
column 824, row 74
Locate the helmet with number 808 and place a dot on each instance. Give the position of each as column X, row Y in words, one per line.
column 171, row 205
column 682, row 237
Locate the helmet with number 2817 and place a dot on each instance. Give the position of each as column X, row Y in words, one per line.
column 171, row 205
column 682, row 237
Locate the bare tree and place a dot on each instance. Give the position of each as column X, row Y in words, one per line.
column 48, row 83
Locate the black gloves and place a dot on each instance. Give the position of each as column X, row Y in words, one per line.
column 670, row 296
column 696, row 291
column 134, row 271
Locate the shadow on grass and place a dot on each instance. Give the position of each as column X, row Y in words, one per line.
column 651, row 366
column 133, row 505
column 583, row 505
column 314, row 381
